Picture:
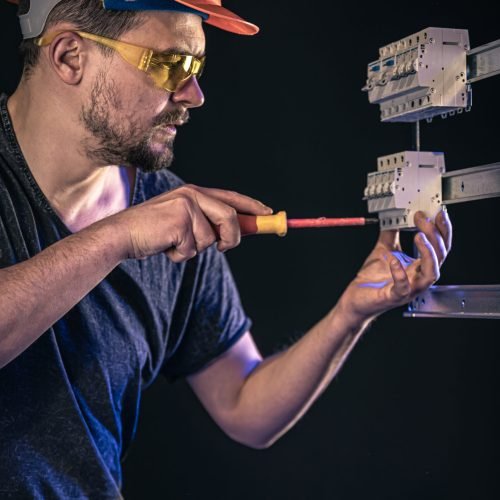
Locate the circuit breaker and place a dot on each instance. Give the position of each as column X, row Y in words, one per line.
column 405, row 183
column 421, row 76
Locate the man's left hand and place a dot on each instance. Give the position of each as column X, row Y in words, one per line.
column 389, row 278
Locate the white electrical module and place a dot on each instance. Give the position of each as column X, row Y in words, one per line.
column 405, row 183
column 421, row 76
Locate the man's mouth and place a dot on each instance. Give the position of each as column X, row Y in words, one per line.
column 171, row 128
column 168, row 127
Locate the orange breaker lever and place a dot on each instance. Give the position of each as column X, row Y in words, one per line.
column 279, row 224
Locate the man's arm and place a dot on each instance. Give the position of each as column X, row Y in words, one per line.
column 255, row 401
column 36, row 293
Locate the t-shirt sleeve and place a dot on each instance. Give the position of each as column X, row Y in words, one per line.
column 216, row 318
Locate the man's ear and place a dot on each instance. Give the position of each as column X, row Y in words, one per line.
column 68, row 56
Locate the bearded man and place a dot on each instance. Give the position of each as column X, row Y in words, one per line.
column 112, row 270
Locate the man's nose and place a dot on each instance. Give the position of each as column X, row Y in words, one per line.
column 189, row 94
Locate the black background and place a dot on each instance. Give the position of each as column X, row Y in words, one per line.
column 414, row 412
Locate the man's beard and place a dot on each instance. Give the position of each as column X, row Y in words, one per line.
column 121, row 141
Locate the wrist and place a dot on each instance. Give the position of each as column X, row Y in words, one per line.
column 349, row 316
column 114, row 237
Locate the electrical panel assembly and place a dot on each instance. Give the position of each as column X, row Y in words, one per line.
column 421, row 76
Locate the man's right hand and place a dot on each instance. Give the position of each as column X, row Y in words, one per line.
column 184, row 222
column 181, row 223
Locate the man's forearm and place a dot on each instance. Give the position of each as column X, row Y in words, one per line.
column 281, row 389
column 36, row 293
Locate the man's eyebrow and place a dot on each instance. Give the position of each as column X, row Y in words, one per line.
column 183, row 51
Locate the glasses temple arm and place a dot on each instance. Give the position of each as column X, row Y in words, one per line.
column 138, row 56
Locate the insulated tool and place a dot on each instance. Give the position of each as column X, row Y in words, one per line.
column 279, row 224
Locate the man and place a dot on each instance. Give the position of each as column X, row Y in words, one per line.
column 112, row 270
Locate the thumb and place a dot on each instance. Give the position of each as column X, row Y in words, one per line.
column 390, row 239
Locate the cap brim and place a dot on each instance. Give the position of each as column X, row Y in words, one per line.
column 222, row 18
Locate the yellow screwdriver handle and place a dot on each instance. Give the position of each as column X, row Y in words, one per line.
column 263, row 224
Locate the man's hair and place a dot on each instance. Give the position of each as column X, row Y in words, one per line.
column 87, row 15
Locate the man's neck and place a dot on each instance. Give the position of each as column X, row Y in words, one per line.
column 80, row 191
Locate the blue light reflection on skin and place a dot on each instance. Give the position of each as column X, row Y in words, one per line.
column 405, row 262
column 378, row 284
column 250, row 367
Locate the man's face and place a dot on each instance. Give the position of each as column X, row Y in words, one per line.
column 128, row 119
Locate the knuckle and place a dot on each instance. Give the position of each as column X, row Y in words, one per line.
column 221, row 247
column 183, row 202
column 230, row 213
column 204, row 242
column 231, row 240
column 234, row 242
column 187, row 189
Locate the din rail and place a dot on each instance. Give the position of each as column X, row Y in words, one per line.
column 483, row 62
column 469, row 184
column 457, row 301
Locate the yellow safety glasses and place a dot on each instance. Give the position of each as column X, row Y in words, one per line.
column 168, row 71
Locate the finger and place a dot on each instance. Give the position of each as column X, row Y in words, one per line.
column 428, row 267
column 184, row 249
column 390, row 240
column 191, row 223
column 240, row 202
column 223, row 218
column 443, row 223
column 400, row 289
column 204, row 233
column 432, row 234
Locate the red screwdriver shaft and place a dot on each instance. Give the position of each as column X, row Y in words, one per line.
column 329, row 222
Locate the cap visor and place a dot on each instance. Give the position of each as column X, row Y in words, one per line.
column 222, row 18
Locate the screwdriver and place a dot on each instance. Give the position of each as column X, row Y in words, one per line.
column 279, row 223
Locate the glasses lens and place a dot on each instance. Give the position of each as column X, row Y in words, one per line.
column 199, row 67
column 170, row 71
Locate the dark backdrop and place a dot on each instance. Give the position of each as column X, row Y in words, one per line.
column 413, row 413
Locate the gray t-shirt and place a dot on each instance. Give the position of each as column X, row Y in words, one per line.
column 69, row 403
